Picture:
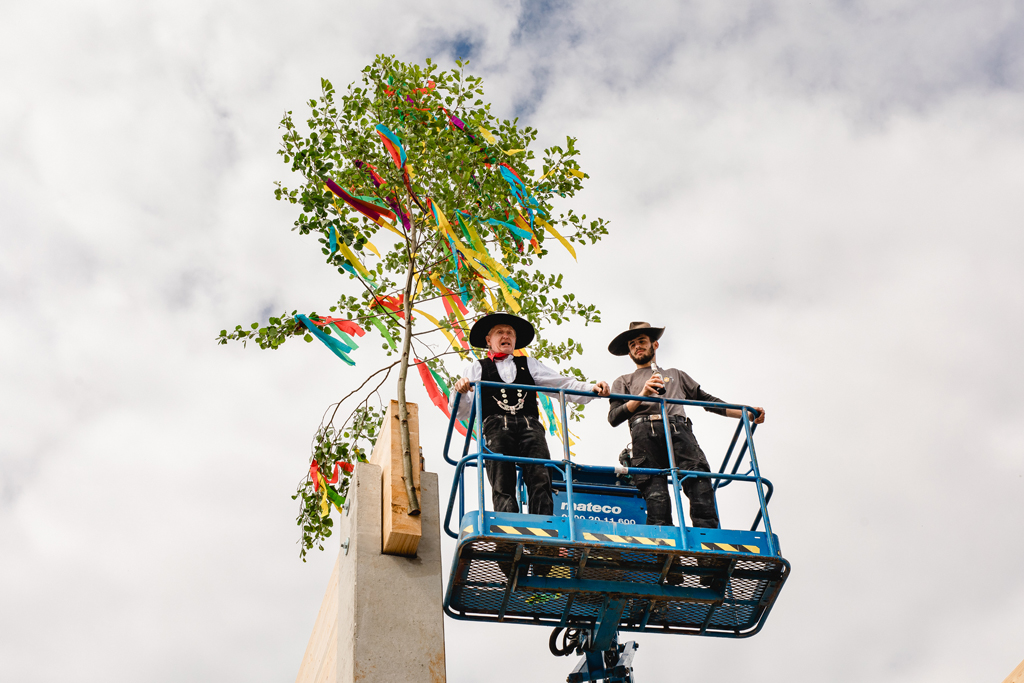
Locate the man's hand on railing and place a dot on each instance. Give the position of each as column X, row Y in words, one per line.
column 602, row 389
column 462, row 386
column 732, row 412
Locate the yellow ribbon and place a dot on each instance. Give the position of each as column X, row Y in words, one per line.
column 521, row 221
column 554, row 232
column 449, row 294
column 347, row 253
column 487, row 135
column 472, row 256
column 509, row 299
column 451, row 338
column 325, row 504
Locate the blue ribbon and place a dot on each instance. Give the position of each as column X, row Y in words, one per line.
column 394, row 140
column 348, row 268
column 514, row 229
column 330, row 342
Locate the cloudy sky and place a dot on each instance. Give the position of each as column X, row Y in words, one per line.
column 826, row 200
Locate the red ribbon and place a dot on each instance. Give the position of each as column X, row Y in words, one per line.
column 371, row 211
column 456, row 327
column 395, row 304
column 346, row 326
column 314, row 470
column 433, row 391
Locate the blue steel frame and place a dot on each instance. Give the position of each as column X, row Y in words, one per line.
column 676, row 476
column 772, row 574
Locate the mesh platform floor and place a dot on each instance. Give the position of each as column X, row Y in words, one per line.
column 480, row 587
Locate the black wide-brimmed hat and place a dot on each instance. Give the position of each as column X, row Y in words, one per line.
column 482, row 327
column 620, row 345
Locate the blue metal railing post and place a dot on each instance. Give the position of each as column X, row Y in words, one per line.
column 470, row 429
column 728, row 454
column 675, row 475
column 567, row 472
column 481, row 444
column 757, row 481
column 482, row 455
column 451, row 428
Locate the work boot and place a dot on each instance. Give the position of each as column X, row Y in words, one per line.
column 506, row 549
column 544, row 569
column 675, row 576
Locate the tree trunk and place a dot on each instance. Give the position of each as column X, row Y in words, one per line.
column 403, row 373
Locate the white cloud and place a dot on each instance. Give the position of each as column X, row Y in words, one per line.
column 828, row 200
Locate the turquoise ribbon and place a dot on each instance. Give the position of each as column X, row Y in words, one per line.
column 340, row 350
column 549, row 412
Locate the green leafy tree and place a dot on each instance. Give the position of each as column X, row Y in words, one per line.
column 462, row 211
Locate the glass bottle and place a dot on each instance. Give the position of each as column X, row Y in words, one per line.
column 656, row 372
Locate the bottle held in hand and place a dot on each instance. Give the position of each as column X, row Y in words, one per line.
column 655, row 372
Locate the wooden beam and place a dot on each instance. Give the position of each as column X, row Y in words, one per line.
column 1017, row 675
column 319, row 664
column 400, row 533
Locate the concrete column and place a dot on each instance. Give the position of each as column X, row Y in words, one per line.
column 384, row 621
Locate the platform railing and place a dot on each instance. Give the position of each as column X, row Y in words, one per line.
column 676, row 475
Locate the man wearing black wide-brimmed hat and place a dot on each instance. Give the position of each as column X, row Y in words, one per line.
column 511, row 421
column 640, row 342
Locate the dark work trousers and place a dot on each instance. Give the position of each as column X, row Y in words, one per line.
column 521, row 437
column 649, row 450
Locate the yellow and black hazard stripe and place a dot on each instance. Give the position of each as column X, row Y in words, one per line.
column 612, row 538
column 730, row 547
column 523, row 531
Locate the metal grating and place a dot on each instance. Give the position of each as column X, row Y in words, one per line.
column 480, row 586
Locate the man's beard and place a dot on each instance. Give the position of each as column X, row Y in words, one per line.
column 642, row 358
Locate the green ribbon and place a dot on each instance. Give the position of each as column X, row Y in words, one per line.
column 384, row 332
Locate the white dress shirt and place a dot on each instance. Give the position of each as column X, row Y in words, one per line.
column 542, row 377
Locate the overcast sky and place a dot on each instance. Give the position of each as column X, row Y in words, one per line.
column 827, row 199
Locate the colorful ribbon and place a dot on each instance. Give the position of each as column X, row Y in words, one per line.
column 356, row 263
column 549, row 412
column 433, row 392
column 392, row 144
column 395, row 304
column 349, row 326
column 319, row 481
column 451, row 340
column 339, row 349
column 547, row 226
column 368, row 209
column 438, row 392
column 383, row 332
column 354, row 273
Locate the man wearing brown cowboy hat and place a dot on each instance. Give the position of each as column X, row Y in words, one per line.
column 640, row 342
column 511, row 422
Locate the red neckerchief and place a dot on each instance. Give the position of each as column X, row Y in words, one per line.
column 497, row 356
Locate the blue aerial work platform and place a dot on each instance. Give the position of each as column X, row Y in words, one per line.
column 602, row 569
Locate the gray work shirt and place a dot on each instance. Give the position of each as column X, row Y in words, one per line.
column 677, row 385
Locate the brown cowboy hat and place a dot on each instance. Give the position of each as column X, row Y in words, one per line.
column 620, row 345
column 482, row 327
